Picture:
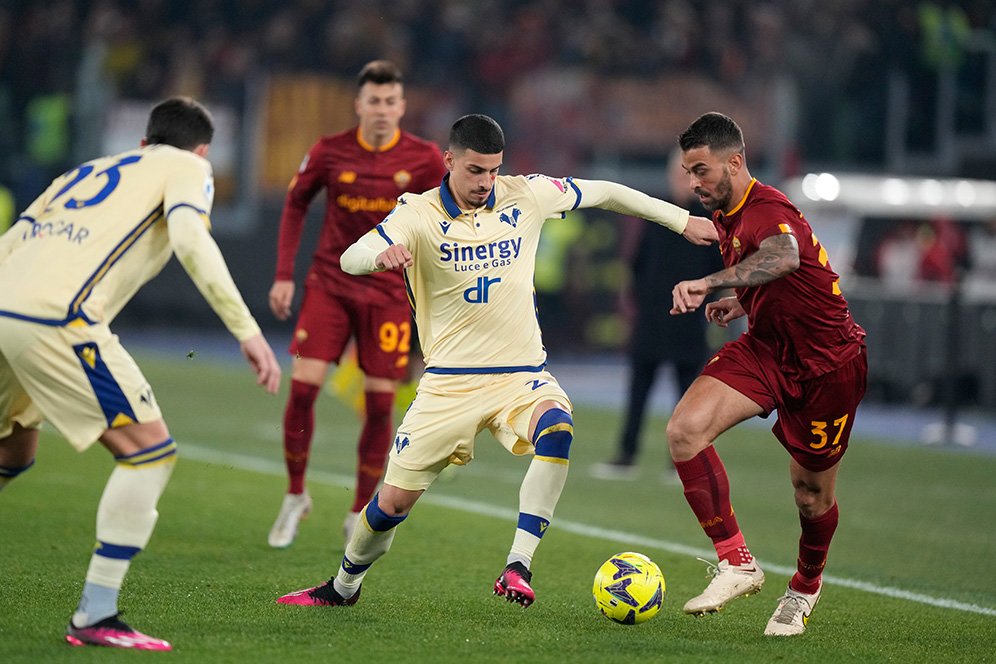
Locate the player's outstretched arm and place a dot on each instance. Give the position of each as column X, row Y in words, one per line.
column 620, row 198
column 262, row 361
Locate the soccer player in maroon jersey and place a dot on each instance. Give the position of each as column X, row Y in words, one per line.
column 363, row 171
column 802, row 354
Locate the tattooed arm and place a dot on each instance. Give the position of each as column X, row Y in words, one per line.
column 777, row 256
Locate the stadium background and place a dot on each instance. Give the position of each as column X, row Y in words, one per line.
column 902, row 92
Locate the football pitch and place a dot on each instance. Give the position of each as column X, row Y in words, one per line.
column 910, row 576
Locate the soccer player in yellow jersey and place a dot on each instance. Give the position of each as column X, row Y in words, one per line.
column 468, row 249
column 68, row 265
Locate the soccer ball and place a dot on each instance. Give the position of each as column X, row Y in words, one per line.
column 629, row 588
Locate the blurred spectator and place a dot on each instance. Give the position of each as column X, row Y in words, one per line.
column 595, row 88
column 942, row 256
column 898, row 256
column 946, row 32
column 104, row 50
column 660, row 258
column 921, row 251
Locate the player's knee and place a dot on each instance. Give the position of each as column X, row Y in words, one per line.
column 378, row 518
column 811, row 500
column 161, row 455
column 679, row 438
column 684, row 438
column 553, row 434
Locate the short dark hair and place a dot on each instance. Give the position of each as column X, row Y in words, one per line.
column 379, row 71
column 180, row 122
column 478, row 133
column 715, row 131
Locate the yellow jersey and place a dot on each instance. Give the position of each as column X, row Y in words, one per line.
column 84, row 247
column 471, row 284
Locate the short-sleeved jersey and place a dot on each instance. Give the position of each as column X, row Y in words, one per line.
column 85, row 246
column 471, row 284
column 362, row 185
column 802, row 317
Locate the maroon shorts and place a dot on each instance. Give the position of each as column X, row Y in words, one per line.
column 815, row 416
column 383, row 333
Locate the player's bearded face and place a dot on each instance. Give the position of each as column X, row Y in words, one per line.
column 472, row 176
column 719, row 197
column 710, row 178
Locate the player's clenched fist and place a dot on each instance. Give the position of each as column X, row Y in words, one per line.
column 395, row 257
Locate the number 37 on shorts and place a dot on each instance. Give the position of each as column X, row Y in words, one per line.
column 822, row 433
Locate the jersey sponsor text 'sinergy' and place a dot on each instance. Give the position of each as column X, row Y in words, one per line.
column 472, row 287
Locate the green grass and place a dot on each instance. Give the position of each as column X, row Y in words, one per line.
column 912, row 518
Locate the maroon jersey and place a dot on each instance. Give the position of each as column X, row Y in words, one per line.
column 362, row 184
column 802, row 317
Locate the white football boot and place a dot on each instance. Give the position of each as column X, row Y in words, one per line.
column 728, row 582
column 792, row 613
column 295, row 507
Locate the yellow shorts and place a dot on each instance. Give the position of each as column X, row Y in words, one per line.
column 81, row 379
column 450, row 410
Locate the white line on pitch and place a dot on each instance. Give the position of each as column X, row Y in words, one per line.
column 268, row 467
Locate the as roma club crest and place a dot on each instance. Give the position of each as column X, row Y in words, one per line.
column 402, row 179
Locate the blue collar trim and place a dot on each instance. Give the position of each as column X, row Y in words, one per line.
column 449, row 203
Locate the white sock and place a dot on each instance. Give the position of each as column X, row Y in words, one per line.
column 126, row 517
column 98, row 602
column 538, row 496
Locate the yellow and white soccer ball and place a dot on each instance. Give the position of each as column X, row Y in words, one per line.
column 629, row 588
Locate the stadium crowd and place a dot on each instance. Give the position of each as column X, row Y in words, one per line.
column 61, row 62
